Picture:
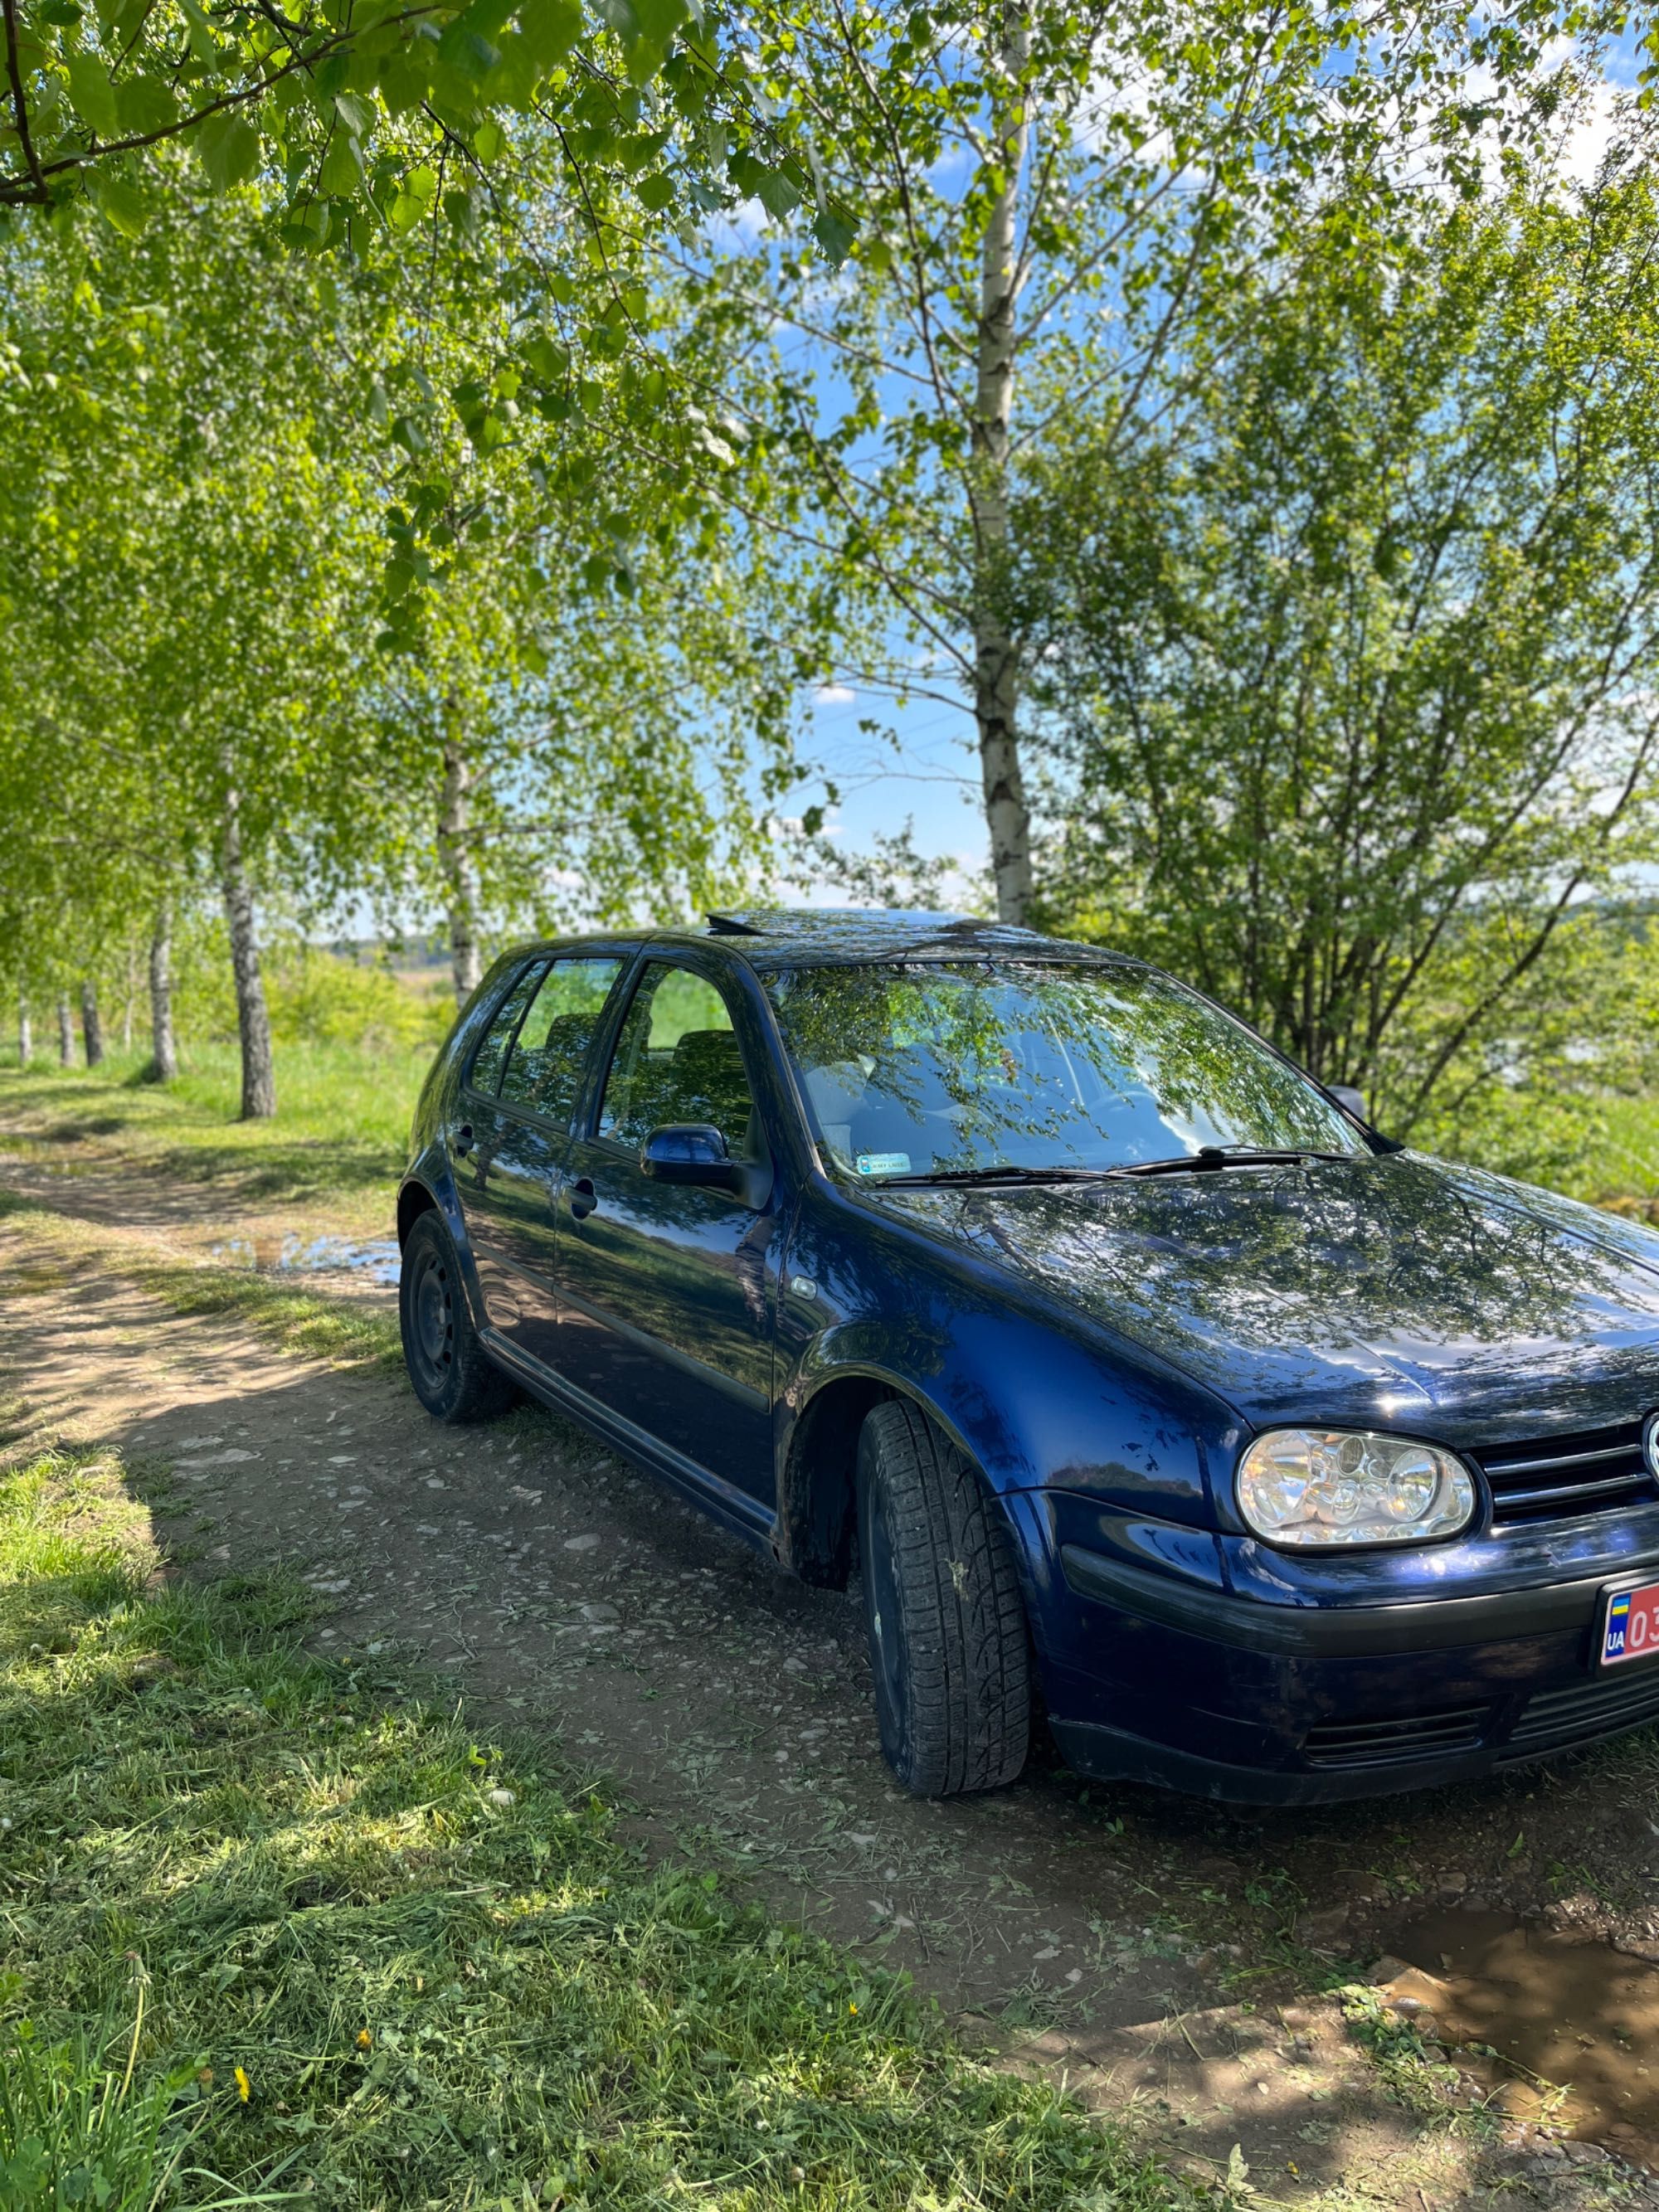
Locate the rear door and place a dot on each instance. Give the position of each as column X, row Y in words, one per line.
column 666, row 1291
column 536, row 1055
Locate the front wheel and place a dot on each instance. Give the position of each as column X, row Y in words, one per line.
column 452, row 1374
column 948, row 1644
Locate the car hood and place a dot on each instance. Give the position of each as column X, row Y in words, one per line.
column 1391, row 1290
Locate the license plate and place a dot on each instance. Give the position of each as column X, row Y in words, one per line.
column 1630, row 1624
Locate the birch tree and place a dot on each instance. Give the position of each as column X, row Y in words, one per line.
column 1349, row 696
column 1052, row 200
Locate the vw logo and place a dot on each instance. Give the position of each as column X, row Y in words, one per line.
column 1650, row 1444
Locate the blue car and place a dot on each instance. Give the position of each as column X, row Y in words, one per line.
column 1142, row 1386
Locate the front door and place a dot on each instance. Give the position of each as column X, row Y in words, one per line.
column 665, row 1291
column 532, row 1057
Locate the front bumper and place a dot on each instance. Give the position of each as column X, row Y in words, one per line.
column 1158, row 1668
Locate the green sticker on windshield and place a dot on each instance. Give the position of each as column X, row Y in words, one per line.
column 884, row 1162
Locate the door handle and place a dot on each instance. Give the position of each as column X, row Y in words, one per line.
column 583, row 1199
column 461, row 1143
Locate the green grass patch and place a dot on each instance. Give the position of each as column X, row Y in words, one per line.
column 388, row 1960
column 342, row 1122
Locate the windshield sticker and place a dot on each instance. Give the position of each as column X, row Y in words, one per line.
column 884, row 1162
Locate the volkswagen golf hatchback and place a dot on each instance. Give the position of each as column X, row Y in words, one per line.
column 1124, row 1366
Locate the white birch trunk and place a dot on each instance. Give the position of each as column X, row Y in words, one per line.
column 253, row 1018
column 460, row 871
column 996, row 666
column 25, row 1034
column 92, row 1025
column 65, row 1031
column 163, row 1049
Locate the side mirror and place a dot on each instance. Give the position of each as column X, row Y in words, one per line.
column 689, row 1151
column 1346, row 1095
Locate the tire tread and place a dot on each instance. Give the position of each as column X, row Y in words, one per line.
column 964, row 1618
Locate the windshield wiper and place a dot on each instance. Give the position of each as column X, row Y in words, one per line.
column 1210, row 1157
column 970, row 1175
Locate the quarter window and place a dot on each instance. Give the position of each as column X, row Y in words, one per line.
column 677, row 1060
column 487, row 1062
column 544, row 1074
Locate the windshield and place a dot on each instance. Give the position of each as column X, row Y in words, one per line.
column 923, row 1069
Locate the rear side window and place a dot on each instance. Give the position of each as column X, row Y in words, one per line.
column 677, row 1060
column 488, row 1060
column 544, row 1074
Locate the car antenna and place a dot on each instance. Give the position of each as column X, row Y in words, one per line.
column 732, row 925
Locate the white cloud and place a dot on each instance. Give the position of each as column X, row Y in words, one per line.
column 833, row 695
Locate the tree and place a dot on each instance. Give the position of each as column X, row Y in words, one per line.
column 1349, row 691
column 1055, row 202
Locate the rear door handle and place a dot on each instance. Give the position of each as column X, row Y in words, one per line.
column 583, row 1199
column 461, row 1143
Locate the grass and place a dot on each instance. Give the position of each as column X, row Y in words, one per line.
column 341, row 1124
column 294, row 1319
column 388, row 1959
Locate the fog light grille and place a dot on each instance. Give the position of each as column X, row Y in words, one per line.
column 1556, row 1719
column 1391, row 1742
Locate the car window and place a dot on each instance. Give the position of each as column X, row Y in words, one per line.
column 498, row 1037
column 677, row 1060
column 919, row 1068
column 544, row 1074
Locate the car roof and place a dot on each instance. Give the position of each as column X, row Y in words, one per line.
column 793, row 937
column 825, row 936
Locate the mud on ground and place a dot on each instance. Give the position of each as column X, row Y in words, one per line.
column 1175, row 1963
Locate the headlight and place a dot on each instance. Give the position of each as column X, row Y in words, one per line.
column 1351, row 1487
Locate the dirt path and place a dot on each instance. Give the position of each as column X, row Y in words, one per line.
column 1165, row 1957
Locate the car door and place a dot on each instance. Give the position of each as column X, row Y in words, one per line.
column 666, row 1290
column 536, row 1052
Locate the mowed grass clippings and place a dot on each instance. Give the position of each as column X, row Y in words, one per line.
column 407, row 1965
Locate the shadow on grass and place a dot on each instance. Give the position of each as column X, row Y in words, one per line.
column 413, row 1965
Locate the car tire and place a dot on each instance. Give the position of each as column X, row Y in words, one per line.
column 452, row 1374
column 948, row 1641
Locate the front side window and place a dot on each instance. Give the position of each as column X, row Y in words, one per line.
column 677, row 1060
column 920, row 1068
column 491, row 1055
column 550, row 1056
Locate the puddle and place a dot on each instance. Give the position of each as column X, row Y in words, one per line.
column 1570, row 2011
column 375, row 1257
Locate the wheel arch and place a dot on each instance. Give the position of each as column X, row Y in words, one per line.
column 814, row 1538
column 414, row 1199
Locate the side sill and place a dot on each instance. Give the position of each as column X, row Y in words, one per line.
column 724, row 1502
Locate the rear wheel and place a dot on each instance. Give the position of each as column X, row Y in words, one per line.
column 453, row 1376
column 948, row 1644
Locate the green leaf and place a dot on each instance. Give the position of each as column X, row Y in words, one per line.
column 343, row 167
column 202, row 43
column 655, row 192
column 125, row 206
column 545, row 357
column 549, row 29
column 835, row 233
column 145, row 104
column 659, row 20
column 228, row 148
column 775, row 193
column 489, row 142
column 93, row 95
